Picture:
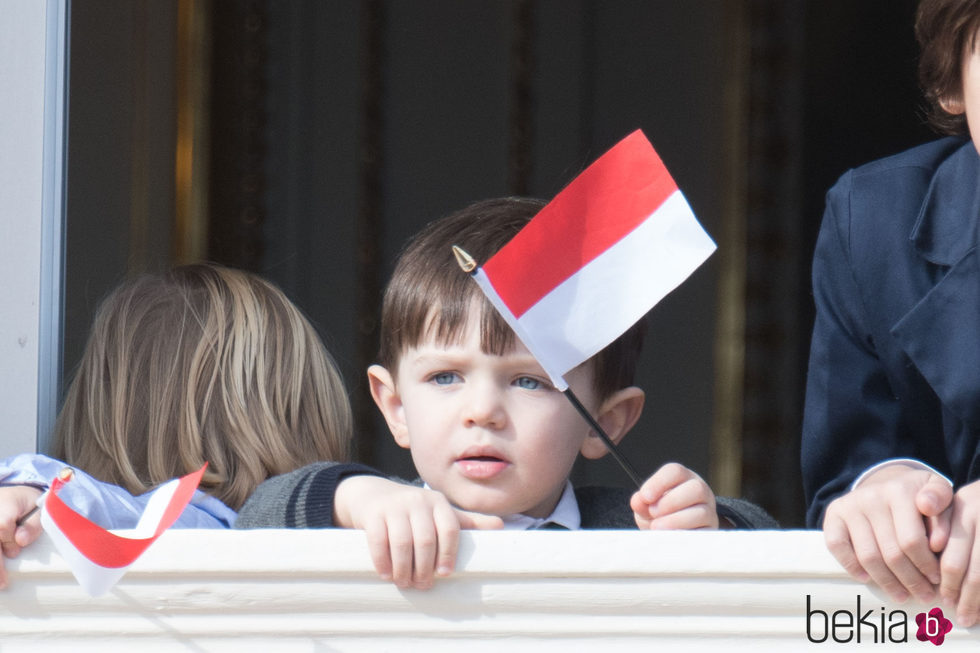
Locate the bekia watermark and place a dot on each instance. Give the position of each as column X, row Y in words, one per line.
column 872, row 625
column 933, row 626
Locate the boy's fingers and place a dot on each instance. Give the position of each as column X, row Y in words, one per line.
column 435, row 529
column 689, row 493
column 689, row 518
column 425, row 544
column 447, row 529
column 664, row 479
column 402, row 549
column 377, row 538
column 641, row 511
column 683, row 501
column 642, row 522
column 639, row 506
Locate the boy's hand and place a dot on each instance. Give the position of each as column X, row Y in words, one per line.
column 16, row 501
column 960, row 561
column 413, row 533
column 889, row 529
column 674, row 498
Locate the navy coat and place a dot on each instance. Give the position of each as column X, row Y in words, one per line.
column 895, row 357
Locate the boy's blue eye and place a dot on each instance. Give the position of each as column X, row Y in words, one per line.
column 443, row 378
column 528, row 383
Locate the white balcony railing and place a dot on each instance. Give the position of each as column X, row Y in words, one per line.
column 546, row 590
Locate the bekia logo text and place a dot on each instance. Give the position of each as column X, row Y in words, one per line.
column 873, row 625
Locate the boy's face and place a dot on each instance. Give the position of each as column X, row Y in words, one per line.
column 489, row 432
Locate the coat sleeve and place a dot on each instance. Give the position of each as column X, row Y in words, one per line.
column 744, row 514
column 852, row 418
column 299, row 499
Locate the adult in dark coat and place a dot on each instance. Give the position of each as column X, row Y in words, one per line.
column 892, row 416
column 895, row 357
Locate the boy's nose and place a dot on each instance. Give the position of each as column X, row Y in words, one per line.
column 484, row 409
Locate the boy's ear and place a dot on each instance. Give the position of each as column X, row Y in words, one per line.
column 389, row 402
column 617, row 415
column 953, row 105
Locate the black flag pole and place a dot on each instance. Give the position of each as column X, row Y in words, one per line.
column 610, row 445
column 470, row 266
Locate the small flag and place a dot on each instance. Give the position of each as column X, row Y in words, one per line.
column 97, row 557
column 596, row 258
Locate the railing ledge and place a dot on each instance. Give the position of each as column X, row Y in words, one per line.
column 550, row 590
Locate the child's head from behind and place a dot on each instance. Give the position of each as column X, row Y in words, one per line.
column 483, row 422
column 204, row 363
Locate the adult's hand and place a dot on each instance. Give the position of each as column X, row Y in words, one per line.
column 890, row 528
column 960, row 561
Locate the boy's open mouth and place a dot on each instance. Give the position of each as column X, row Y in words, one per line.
column 481, row 467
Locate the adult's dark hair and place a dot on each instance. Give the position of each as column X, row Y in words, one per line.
column 946, row 31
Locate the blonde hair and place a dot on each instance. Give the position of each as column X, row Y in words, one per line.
column 204, row 363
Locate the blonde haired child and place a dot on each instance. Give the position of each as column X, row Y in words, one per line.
column 201, row 364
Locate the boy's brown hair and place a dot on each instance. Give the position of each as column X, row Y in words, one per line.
column 946, row 30
column 429, row 296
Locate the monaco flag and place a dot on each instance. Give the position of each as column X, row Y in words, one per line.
column 98, row 558
column 596, row 258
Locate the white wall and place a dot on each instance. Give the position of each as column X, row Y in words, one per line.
column 31, row 140
column 542, row 591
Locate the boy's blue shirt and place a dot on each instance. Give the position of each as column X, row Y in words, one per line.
column 109, row 506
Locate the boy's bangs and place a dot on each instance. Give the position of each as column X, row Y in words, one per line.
column 445, row 323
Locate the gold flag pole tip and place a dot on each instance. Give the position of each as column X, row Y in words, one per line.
column 466, row 262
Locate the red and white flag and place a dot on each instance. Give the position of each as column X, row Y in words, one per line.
column 596, row 258
column 98, row 558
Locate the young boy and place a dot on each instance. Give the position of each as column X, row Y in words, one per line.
column 493, row 441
